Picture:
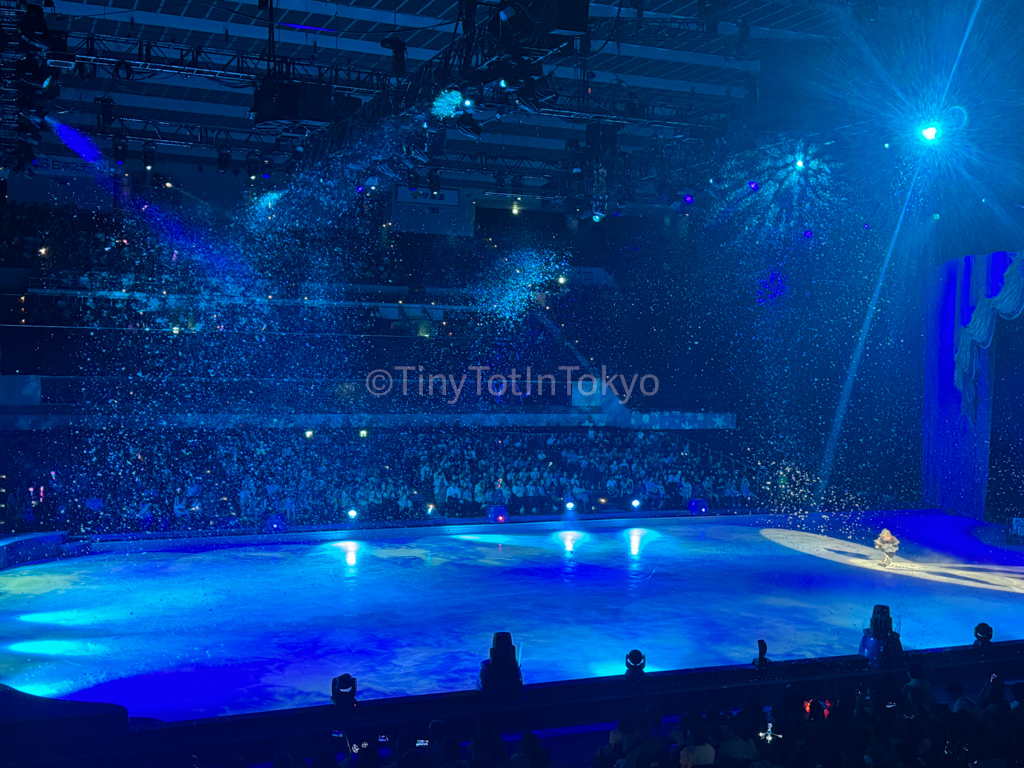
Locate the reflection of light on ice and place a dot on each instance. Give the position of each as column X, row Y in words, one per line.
column 1002, row 578
column 72, row 617
column 58, row 647
column 569, row 539
column 637, row 536
column 50, row 690
column 350, row 548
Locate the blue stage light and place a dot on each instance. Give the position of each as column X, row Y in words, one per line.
column 635, row 503
column 809, row 233
column 688, row 199
column 753, row 185
column 503, row 84
column 570, row 506
column 448, row 104
column 352, row 514
column 799, row 163
column 930, row 133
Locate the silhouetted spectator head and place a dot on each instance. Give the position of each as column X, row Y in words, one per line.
column 450, row 749
column 326, row 758
column 404, row 744
column 1018, row 692
column 412, row 758
column 369, row 757
column 654, row 716
column 916, row 672
column 698, row 733
column 435, row 731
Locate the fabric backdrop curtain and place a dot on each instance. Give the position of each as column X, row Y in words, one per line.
column 966, row 292
column 1008, row 303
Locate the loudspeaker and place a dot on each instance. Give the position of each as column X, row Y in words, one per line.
column 571, row 17
column 287, row 101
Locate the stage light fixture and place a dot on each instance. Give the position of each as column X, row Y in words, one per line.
column 223, row 160
column 434, row 182
column 500, row 674
column 343, row 691
column 468, row 126
column 119, row 150
column 561, row 280
column 353, row 514
column 930, row 132
column 448, row 104
column 570, row 506
column 397, row 46
column 635, row 503
column 762, row 661
column 149, row 155
column 309, row 434
column 635, row 664
column 252, row 164
column 799, row 163
column 363, row 433
column 880, row 645
column 983, row 636
column 106, row 116
column 753, row 185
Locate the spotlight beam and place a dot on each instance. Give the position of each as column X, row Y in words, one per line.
column 828, row 461
column 960, row 53
column 858, row 353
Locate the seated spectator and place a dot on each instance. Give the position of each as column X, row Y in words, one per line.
column 640, row 742
column 740, row 747
column 919, row 681
column 450, row 751
column 697, row 750
column 529, row 745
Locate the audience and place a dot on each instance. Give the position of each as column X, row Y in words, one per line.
column 109, row 482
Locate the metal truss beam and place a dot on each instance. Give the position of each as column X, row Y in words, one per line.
column 122, row 56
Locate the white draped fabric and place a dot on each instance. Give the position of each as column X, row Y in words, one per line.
column 1008, row 303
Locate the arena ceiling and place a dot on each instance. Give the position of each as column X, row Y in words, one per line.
column 181, row 73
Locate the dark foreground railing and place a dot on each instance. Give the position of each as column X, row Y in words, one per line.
column 41, row 732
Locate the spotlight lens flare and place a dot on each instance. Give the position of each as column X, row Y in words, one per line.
column 930, row 133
